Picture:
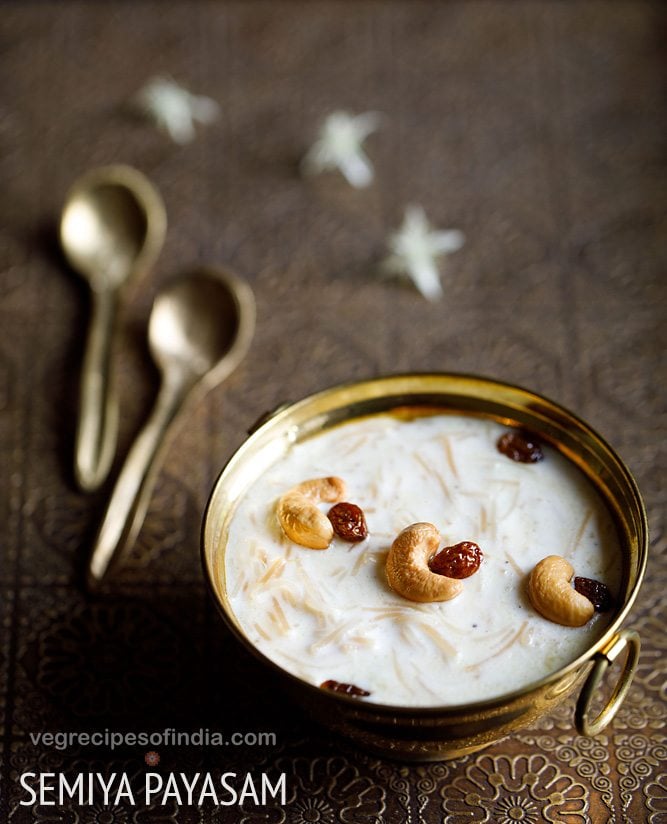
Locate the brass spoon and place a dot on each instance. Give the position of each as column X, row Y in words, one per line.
column 199, row 330
column 112, row 229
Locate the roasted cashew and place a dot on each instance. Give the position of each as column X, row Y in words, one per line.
column 552, row 596
column 299, row 516
column 407, row 566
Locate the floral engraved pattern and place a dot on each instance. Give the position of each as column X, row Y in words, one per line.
column 312, row 811
column 399, row 786
column 656, row 799
column 329, row 784
column 99, row 814
column 495, row 788
column 516, row 808
column 640, row 710
column 60, row 520
column 588, row 756
column 94, row 659
column 638, row 755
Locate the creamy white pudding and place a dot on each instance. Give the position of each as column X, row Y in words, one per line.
column 331, row 615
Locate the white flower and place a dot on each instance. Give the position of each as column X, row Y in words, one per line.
column 414, row 249
column 339, row 147
column 174, row 109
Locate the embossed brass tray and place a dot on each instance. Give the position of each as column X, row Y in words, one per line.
column 434, row 733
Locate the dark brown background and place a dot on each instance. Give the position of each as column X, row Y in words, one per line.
column 538, row 129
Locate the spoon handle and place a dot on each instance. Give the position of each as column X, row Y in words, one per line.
column 130, row 497
column 97, row 426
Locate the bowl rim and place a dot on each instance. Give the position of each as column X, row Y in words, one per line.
column 286, row 410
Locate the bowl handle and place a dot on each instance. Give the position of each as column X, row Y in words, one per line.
column 603, row 660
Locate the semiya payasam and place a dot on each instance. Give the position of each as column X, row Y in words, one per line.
column 329, row 615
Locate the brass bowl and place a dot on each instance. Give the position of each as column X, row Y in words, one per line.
column 435, row 733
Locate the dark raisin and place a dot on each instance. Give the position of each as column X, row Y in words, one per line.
column 458, row 561
column 520, row 446
column 596, row 592
column 346, row 689
column 348, row 522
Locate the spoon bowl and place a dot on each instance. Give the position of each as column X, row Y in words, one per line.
column 112, row 229
column 103, row 232
column 200, row 328
column 196, row 323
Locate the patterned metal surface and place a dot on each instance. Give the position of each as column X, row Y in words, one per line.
column 536, row 128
